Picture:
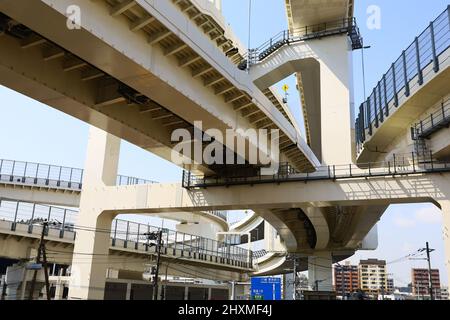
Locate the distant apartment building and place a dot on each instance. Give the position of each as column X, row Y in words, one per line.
column 346, row 276
column 390, row 286
column 444, row 293
column 373, row 276
column 420, row 283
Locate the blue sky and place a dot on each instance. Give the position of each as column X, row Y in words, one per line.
column 34, row 132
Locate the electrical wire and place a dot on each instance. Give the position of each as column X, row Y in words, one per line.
column 405, row 258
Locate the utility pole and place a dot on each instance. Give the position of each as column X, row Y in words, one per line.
column 158, row 261
column 41, row 250
column 430, row 280
column 429, row 271
column 156, row 236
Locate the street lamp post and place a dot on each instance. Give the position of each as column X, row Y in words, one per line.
column 364, row 69
column 249, row 52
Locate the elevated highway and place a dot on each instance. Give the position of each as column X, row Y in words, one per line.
column 139, row 70
column 413, row 89
column 143, row 70
column 129, row 248
column 349, row 206
column 62, row 186
column 303, row 12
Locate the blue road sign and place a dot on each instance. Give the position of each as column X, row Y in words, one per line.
column 265, row 288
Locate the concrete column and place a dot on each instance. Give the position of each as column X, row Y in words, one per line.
column 336, row 101
column 23, row 290
column 320, row 272
column 445, row 206
column 92, row 247
column 288, row 284
column 128, row 296
column 59, row 290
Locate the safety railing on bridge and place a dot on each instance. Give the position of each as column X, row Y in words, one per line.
column 46, row 175
column 221, row 214
column 425, row 54
column 433, row 123
column 124, row 234
column 316, row 31
column 40, row 174
column 400, row 165
column 259, row 254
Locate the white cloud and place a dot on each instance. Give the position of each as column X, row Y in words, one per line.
column 407, row 247
column 429, row 215
column 403, row 222
column 426, row 215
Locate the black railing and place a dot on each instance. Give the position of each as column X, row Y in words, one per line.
column 259, row 254
column 406, row 75
column 399, row 165
column 220, row 214
column 287, row 37
column 40, row 174
column 51, row 176
column 433, row 123
column 125, row 234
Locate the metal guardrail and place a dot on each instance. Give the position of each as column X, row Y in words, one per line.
column 47, row 175
column 52, row 176
column 259, row 254
column 433, row 123
column 125, row 234
column 316, row 31
column 221, row 214
column 404, row 76
column 399, row 166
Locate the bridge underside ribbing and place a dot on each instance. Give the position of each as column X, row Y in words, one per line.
column 175, row 92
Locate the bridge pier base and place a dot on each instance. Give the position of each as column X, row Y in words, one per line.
column 320, row 272
column 90, row 257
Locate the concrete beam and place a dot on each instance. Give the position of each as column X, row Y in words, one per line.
column 353, row 192
column 122, row 7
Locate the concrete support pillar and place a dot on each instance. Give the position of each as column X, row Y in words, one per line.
column 320, row 272
column 23, row 290
column 59, row 290
column 93, row 239
column 128, row 296
column 336, row 102
column 445, row 206
column 289, row 286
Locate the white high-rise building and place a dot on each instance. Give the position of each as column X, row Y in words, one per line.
column 373, row 276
